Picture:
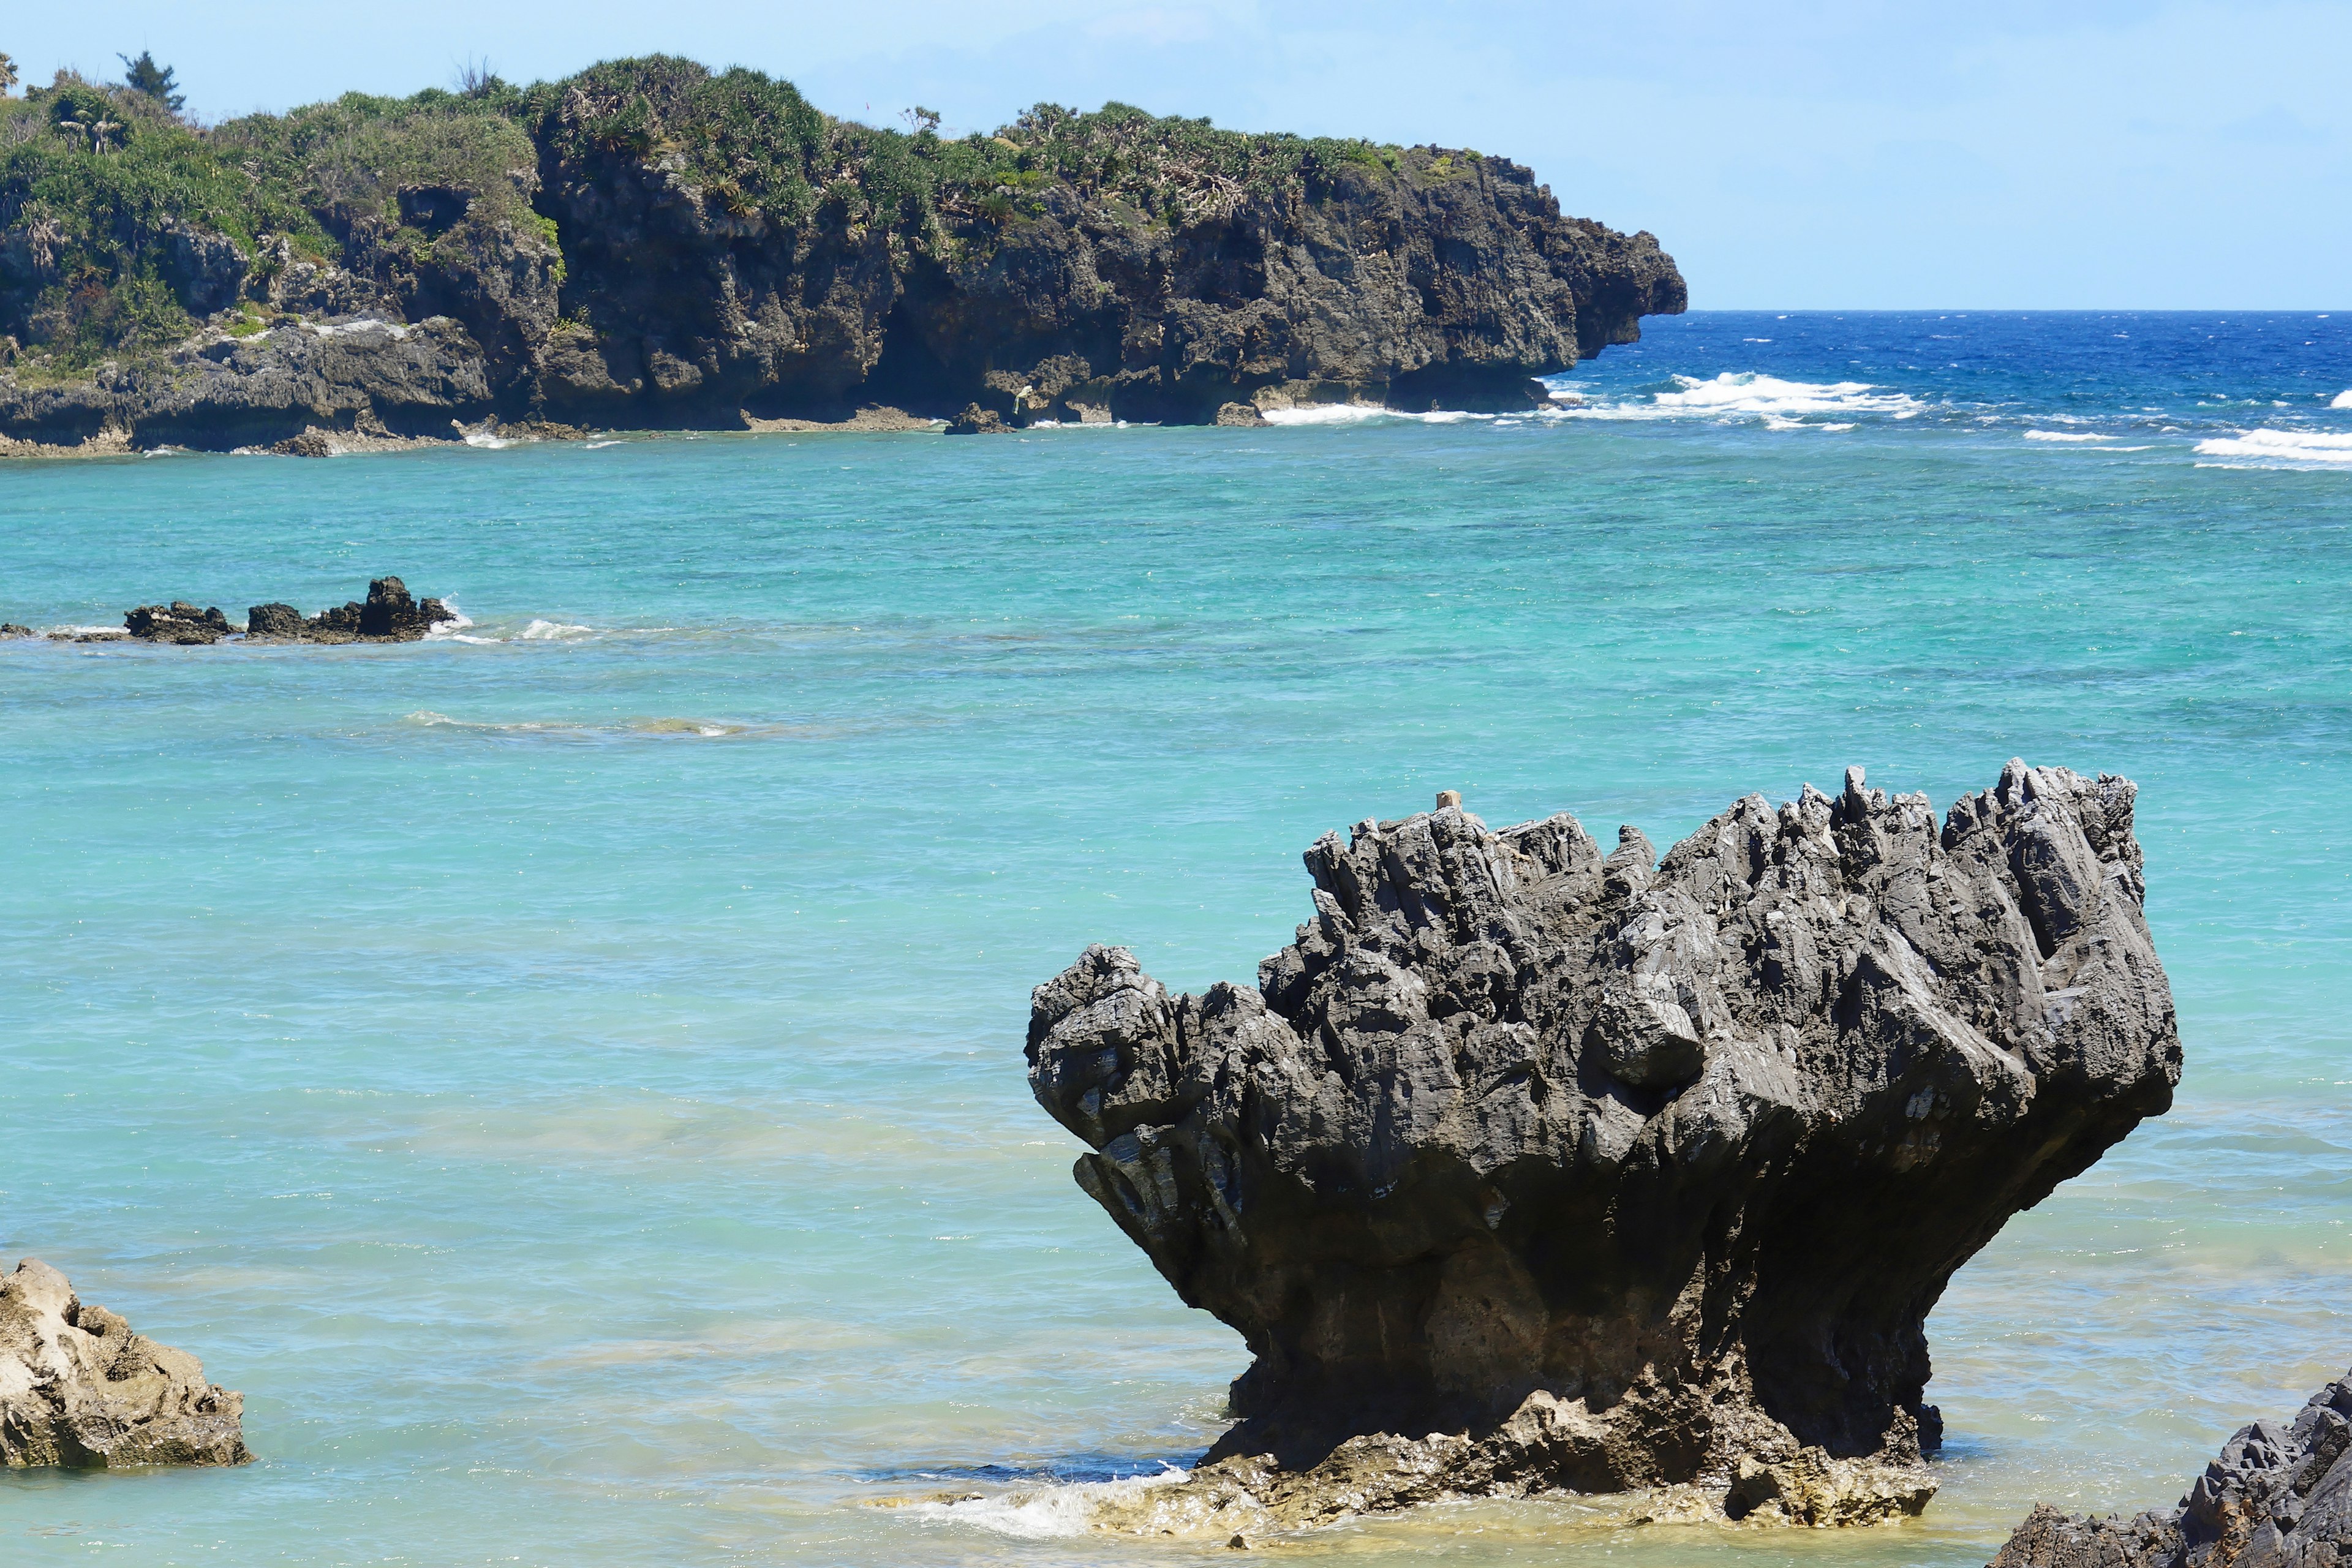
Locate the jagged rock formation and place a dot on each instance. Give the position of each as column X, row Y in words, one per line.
column 1533, row 1166
column 389, row 615
column 78, row 1388
column 705, row 250
column 178, row 622
column 2278, row 1497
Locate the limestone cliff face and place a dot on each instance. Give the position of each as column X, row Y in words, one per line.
column 1626, row 1170
column 664, row 296
column 1451, row 290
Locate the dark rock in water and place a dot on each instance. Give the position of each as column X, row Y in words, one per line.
column 388, row 610
column 2280, row 1496
column 1529, row 1167
column 389, row 615
column 78, row 1388
column 283, row 622
column 11, row 630
column 977, row 421
column 177, row 622
column 1239, row 413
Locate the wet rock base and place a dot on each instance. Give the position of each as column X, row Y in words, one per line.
column 2278, row 1496
column 79, row 1389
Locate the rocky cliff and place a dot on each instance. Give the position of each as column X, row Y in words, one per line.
column 2278, row 1496
column 648, row 244
column 1533, row 1165
column 78, row 1388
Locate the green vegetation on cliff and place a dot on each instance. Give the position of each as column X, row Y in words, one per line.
column 108, row 198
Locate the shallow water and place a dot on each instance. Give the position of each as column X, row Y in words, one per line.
column 569, row 1076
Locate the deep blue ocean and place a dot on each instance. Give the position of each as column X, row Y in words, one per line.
column 569, row 1074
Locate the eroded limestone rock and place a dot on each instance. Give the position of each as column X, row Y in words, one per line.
column 178, row 622
column 2279, row 1496
column 80, row 1389
column 389, row 615
column 1529, row 1167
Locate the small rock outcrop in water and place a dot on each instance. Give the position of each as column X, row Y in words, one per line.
column 389, row 615
column 2280, row 1496
column 1528, row 1166
column 177, row 622
column 78, row 1388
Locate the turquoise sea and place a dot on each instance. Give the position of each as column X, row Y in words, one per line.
column 568, row 1075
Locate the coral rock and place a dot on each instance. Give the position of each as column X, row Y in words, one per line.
column 1566, row 1170
column 78, row 1388
column 177, row 622
column 2277, row 1497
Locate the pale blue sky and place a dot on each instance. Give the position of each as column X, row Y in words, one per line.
column 2105, row 153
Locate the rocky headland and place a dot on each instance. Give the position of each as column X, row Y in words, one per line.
column 649, row 244
column 1532, row 1165
column 2278, row 1496
column 80, row 1389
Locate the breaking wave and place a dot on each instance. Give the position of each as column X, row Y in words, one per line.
column 1361, row 413
column 1749, row 395
column 2064, row 436
column 2279, row 448
column 2343, row 400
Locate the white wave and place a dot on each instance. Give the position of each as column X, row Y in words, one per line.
column 453, row 631
column 2271, row 448
column 2064, row 435
column 2343, row 399
column 484, row 438
column 115, row 631
column 1748, row 394
column 598, row 445
column 1359, row 413
column 552, row 631
column 1044, row 1513
column 1846, row 425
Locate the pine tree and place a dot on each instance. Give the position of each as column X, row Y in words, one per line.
column 7, row 75
column 143, row 74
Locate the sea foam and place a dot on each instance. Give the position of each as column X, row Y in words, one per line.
column 1359, row 413
column 2279, row 448
column 2343, row 400
column 1749, row 395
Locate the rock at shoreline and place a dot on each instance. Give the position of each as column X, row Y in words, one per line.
column 80, row 1389
column 1239, row 413
column 977, row 421
column 178, row 622
column 11, row 630
column 1528, row 1166
column 2280, row 1496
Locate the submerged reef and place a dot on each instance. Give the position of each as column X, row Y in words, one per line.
column 2279, row 1496
column 652, row 244
column 1529, row 1166
column 78, row 1388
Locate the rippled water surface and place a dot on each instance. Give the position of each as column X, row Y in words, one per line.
column 569, row 1075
